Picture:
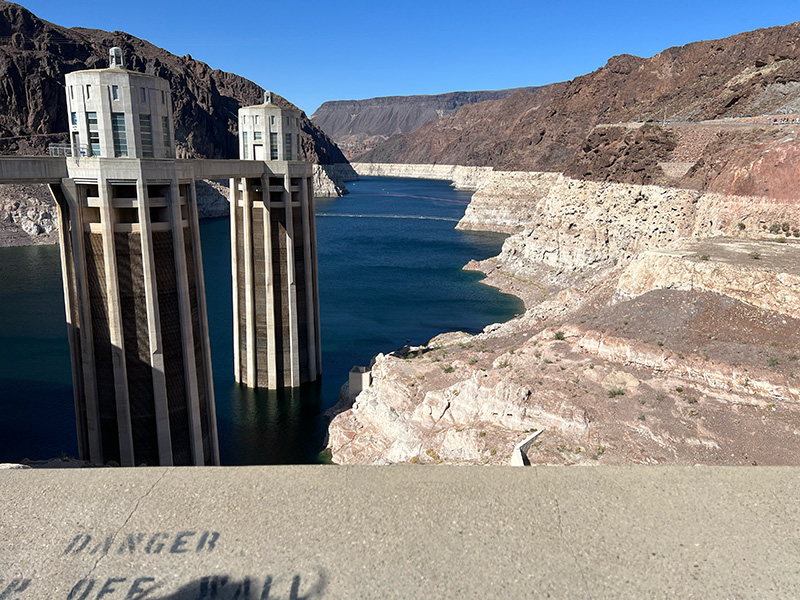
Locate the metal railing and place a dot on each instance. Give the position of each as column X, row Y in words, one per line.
column 66, row 150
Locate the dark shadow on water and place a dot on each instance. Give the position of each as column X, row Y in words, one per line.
column 272, row 426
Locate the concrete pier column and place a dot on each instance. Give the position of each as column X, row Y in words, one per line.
column 187, row 335
column 269, row 289
column 314, row 262
column 249, row 287
column 234, row 197
column 293, row 349
column 71, row 309
column 200, row 284
column 310, row 287
column 75, row 200
column 161, row 406
column 114, row 311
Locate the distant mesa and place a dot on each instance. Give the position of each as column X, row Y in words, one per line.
column 359, row 125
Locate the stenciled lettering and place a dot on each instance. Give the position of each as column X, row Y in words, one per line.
column 154, row 546
column 139, row 588
column 148, row 543
column 14, row 588
column 180, row 542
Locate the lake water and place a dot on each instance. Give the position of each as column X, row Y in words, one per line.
column 390, row 271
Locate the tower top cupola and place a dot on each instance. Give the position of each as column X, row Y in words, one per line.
column 117, row 113
column 269, row 132
column 115, row 58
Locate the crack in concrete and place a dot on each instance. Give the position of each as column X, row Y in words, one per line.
column 127, row 520
column 571, row 552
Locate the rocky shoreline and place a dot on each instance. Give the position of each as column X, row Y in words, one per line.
column 660, row 328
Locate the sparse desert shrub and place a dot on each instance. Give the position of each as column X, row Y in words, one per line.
column 742, row 226
column 704, row 257
column 773, row 362
column 448, row 368
column 755, row 255
column 558, row 335
column 616, row 392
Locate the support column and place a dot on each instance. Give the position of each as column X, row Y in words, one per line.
column 116, row 335
column 312, row 216
column 233, row 193
column 71, row 310
column 294, row 358
column 154, row 329
column 187, row 336
column 308, row 270
column 87, row 366
column 249, row 287
column 200, row 284
column 272, row 355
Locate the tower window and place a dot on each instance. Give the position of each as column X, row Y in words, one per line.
column 163, row 97
column 272, row 119
column 118, row 133
column 165, row 128
column 144, row 94
column 115, row 92
column 255, row 119
column 146, row 130
column 94, row 133
column 256, row 136
column 88, row 91
column 287, row 146
column 74, row 118
column 245, row 153
column 72, row 92
column 273, row 146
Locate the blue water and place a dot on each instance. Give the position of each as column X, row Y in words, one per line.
column 390, row 271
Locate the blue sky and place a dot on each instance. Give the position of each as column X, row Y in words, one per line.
column 311, row 51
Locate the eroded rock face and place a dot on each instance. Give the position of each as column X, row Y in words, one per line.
column 649, row 337
column 27, row 216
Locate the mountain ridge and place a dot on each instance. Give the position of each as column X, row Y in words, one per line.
column 36, row 54
column 357, row 125
column 548, row 129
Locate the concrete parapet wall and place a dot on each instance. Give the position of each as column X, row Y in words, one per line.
column 313, row 532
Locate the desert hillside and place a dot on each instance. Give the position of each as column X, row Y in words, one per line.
column 563, row 127
column 358, row 125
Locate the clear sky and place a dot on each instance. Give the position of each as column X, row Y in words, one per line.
column 310, row 51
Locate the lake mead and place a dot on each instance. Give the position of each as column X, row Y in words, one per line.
column 390, row 268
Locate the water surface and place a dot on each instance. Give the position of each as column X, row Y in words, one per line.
column 390, row 271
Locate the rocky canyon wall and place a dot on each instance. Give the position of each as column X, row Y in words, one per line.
column 661, row 327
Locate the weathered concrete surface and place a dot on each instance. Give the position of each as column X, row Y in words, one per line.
column 410, row 532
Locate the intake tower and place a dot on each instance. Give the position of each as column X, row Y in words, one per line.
column 133, row 279
column 276, row 326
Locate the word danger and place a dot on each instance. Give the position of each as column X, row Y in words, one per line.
column 147, row 543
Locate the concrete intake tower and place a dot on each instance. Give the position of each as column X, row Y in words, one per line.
column 133, row 278
column 276, row 326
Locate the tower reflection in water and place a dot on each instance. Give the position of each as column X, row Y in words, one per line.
column 273, row 426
